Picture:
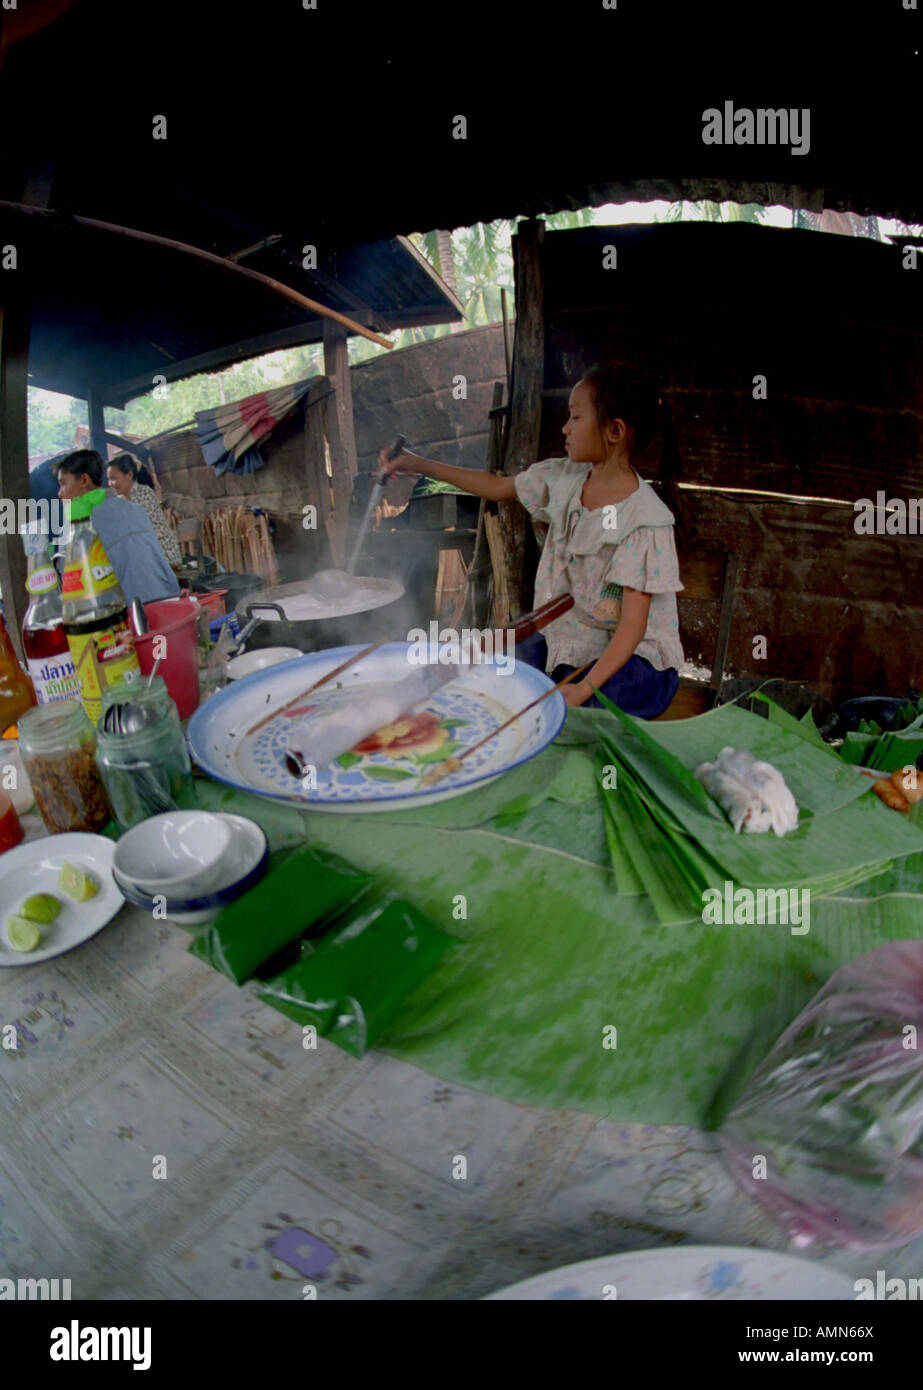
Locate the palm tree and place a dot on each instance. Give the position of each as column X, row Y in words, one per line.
column 706, row 211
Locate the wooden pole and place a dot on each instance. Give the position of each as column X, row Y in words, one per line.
column 220, row 261
column 97, row 427
column 477, row 585
column 15, row 328
column 524, row 422
column 341, row 433
column 506, row 339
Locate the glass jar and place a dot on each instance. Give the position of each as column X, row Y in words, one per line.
column 59, row 754
column 145, row 771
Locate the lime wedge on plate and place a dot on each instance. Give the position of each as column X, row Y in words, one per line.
column 41, row 907
column 77, row 884
column 22, row 934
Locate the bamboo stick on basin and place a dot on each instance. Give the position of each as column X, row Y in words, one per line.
column 441, row 770
column 344, row 666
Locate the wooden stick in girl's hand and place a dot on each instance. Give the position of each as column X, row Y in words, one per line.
column 375, row 495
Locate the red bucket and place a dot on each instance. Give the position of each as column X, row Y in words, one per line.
column 175, row 620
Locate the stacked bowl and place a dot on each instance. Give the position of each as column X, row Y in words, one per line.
column 189, row 865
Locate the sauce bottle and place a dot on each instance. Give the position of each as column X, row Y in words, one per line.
column 48, row 656
column 95, row 610
column 10, row 830
column 16, row 693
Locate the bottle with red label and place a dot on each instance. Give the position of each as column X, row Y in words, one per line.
column 95, row 610
column 48, row 656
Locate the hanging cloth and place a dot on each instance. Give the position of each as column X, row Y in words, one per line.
column 228, row 435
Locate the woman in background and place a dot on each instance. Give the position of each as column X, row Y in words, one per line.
column 148, row 478
column 122, row 473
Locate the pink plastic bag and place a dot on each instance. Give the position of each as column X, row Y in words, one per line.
column 829, row 1132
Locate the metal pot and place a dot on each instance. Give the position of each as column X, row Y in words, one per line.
column 268, row 625
column 238, row 586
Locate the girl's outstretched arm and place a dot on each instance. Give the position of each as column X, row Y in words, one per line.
column 632, row 627
column 496, row 487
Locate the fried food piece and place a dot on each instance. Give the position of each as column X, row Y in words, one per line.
column 911, row 794
column 890, row 794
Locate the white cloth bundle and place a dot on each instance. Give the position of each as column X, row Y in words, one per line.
column 752, row 794
column 322, row 737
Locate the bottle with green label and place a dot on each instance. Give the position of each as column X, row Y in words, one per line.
column 48, row 657
column 95, row 609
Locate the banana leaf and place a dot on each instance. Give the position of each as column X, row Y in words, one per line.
column 804, row 727
column 845, row 834
column 352, row 983
column 549, row 953
column 298, row 895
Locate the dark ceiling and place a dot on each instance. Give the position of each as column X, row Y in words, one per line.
column 334, row 126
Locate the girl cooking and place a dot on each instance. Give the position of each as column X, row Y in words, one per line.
column 610, row 543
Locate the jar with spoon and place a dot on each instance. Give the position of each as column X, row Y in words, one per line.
column 141, row 753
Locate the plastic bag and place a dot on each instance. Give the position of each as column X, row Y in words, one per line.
column 829, row 1132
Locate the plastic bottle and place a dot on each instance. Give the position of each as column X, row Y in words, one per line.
column 95, row 610
column 48, row 656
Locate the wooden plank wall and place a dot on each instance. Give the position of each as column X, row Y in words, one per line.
column 835, row 325
column 412, row 391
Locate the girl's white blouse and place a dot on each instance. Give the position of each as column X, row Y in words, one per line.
column 594, row 555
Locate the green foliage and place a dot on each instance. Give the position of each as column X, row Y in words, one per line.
column 48, row 431
column 713, row 212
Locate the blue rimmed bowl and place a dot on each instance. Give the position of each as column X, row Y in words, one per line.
column 247, row 862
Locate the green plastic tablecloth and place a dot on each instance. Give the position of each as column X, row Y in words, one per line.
column 549, row 956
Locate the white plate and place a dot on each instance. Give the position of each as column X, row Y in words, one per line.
column 481, row 699
column 34, row 868
column 692, row 1272
column 259, row 660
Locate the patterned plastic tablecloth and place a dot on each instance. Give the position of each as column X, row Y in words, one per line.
column 165, row 1135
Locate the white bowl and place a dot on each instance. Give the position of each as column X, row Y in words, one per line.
column 244, row 865
column 258, row 661
column 178, row 853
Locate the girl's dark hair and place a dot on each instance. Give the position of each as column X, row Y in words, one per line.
column 143, row 477
column 125, row 464
column 623, row 394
